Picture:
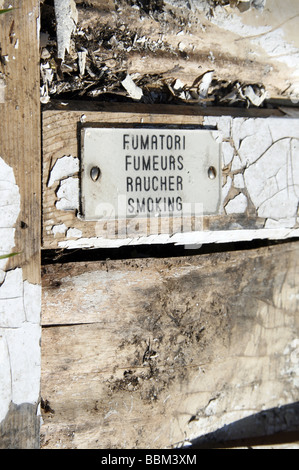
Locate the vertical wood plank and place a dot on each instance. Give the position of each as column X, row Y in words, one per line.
column 20, row 290
column 20, row 125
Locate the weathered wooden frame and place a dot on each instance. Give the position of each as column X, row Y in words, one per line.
column 61, row 139
column 262, row 338
column 20, row 152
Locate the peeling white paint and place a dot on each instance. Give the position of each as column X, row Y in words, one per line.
column 266, row 163
column 237, row 205
column 226, row 187
column 190, row 238
column 32, row 302
column 63, row 167
column 10, row 209
column 68, row 194
column 20, row 333
column 20, row 308
column 66, row 20
column 24, row 357
column 227, row 153
column 239, row 181
column 2, row 89
column 261, row 161
column 12, row 313
column 264, row 37
column 244, row 134
column 273, row 181
column 134, row 91
column 223, row 124
column 288, row 223
column 231, row 21
column 236, row 164
column 58, row 229
column 5, row 376
column 73, row 233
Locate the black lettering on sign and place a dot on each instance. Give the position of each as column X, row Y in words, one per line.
column 153, row 142
column 152, row 163
column 155, row 183
column 154, row 205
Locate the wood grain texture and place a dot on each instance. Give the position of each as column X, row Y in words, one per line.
column 20, row 150
column 148, row 353
column 20, row 141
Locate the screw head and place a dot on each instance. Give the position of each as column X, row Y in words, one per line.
column 95, row 173
column 212, row 172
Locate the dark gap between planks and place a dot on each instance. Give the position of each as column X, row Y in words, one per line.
column 151, row 251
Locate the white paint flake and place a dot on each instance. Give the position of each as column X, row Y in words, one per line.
column 134, row 91
column 10, row 208
column 73, row 233
column 237, row 205
column 239, row 181
column 68, row 195
column 24, row 356
column 66, row 20
column 20, row 307
column 227, row 153
column 63, row 167
column 59, row 229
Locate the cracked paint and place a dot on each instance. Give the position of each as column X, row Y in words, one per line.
column 260, row 178
column 273, row 181
column 10, row 208
column 265, row 165
column 227, row 153
column 20, row 307
column 64, row 167
column 237, row 205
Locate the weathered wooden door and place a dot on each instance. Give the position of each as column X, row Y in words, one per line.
column 146, row 331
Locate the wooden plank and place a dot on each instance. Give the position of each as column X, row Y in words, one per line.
column 259, row 178
column 20, row 225
column 20, row 128
column 148, row 353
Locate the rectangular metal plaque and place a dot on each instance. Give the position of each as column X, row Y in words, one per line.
column 142, row 172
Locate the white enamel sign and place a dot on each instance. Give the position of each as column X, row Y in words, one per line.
column 142, row 172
